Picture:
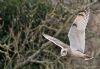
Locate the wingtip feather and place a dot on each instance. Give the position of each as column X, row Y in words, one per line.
column 45, row 35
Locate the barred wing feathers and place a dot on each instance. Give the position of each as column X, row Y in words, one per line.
column 77, row 31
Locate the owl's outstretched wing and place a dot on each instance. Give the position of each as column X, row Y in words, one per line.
column 73, row 53
column 77, row 31
column 56, row 41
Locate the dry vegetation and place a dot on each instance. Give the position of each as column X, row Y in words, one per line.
column 23, row 22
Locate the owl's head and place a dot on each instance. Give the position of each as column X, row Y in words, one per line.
column 64, row 52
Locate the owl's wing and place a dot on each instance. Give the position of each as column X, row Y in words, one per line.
column 56, row 41
column 77, row 39
column 77, row 31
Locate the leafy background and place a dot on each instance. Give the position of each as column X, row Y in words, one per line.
column 22, row 23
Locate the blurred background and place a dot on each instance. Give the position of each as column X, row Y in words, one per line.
column 22, row 23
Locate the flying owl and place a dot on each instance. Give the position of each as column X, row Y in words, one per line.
column 76, row 36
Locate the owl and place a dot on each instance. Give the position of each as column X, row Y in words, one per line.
column 76, row 37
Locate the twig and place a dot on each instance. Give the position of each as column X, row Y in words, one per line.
column 27, row 61
column 41, row 62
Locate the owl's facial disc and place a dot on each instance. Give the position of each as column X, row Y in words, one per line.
column 64, row 52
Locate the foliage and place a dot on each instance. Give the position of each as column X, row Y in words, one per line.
column 21, row 42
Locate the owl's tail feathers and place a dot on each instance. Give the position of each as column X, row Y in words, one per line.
column 87, row 57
